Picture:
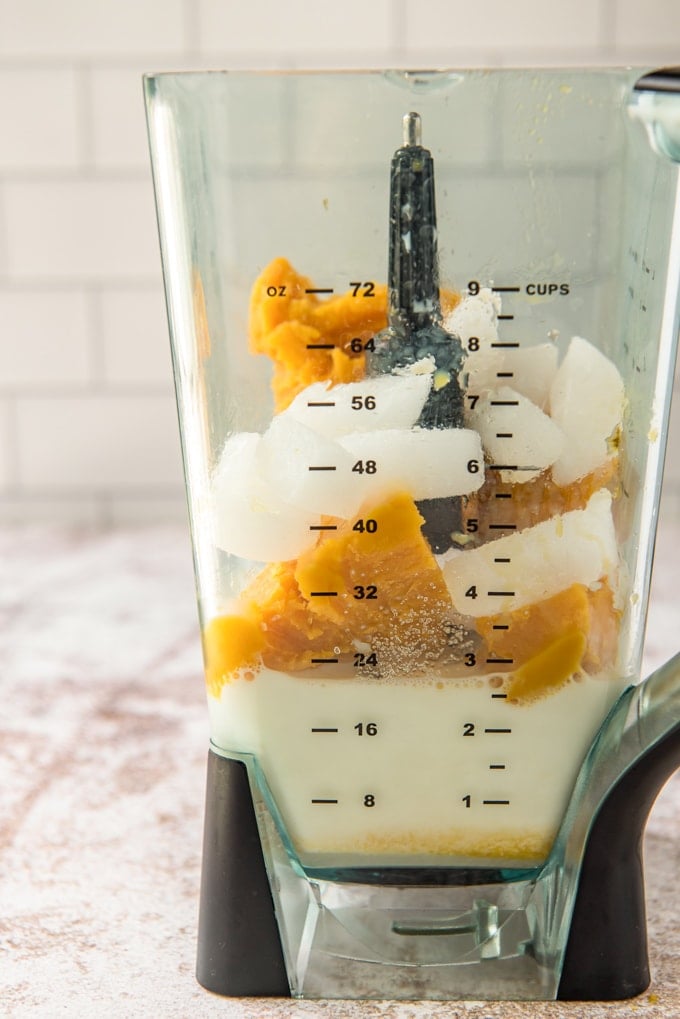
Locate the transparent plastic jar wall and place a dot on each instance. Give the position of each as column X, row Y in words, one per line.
column 548, row 191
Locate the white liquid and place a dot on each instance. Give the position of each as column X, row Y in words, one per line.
column 411, row 787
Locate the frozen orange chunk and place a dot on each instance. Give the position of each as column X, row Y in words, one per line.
column 230, row 644
column 293, row 634
column 523, row 505
column 377, row 580
column 543, row 644
column 549, row 669
column 309, row 339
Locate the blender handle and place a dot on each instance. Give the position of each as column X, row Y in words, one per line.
column 637, row 750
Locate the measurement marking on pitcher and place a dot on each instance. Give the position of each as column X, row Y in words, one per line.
column 320, row 346
column 501, row 626
column 497, row 767
column 325, row 661
column 505, row 375
column 323, row 594
column 505, row 343
column 503, row 495
column 321, row 403
column 506, row 290
column 498, row 661
column 496, row 731
column 504, row 435
column 324, row 801
column 499, row 696
column 504, row 403
column 505, row 318
column 325, row 730
column 323, row 527
column 496, row 803
column 322, row 468
column 502, row 527
column 319, row 290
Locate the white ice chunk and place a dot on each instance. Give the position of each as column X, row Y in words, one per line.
column 586, row 401
column 475, row 321
column 307, row 469
column 516, row 432
column 249, row 516
column 427, row 463
column 387, row 401
column 476, row 316
column 533, row 371
column 578, row 547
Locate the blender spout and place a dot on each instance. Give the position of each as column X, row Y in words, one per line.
column 599, row 848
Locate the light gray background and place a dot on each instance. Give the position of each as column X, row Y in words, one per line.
column 88, row 430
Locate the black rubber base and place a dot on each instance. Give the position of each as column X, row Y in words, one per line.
column 606, row 956
column 239, row 949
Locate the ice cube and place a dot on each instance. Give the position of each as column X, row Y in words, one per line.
column 578, row 547
column 387, row 401
column 249, row 518
column 533, row 371
column 428, row 463
column 516, row 432
column 307, row 469
column 475, row 321
column 586, row 401
column 476, row 316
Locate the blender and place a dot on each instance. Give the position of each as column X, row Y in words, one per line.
column 423, row 329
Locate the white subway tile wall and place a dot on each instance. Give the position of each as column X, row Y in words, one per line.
column 88, row 430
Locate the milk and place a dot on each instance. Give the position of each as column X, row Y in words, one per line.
column 436, row 771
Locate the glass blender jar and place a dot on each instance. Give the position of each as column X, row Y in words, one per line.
column 423, row 330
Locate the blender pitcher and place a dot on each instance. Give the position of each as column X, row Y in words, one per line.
column 423, row 330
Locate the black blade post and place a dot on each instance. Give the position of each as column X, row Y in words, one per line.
column 415, row 328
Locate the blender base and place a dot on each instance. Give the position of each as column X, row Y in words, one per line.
column 269, row 929
column 239, row 948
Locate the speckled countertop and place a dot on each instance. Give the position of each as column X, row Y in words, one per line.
column 103, row 738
